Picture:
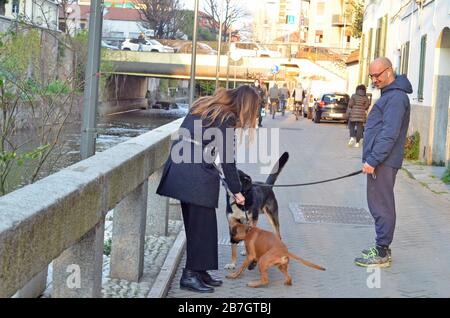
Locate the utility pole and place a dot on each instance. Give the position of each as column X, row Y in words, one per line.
column 345, row 26
column 194, row 56
column 300, row 27
column 220, row 44
column 89, row 125
column 228, row 62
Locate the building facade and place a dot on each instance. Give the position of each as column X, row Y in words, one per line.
column 329, row 25
column 42, row 13
column 311, row 22
column 415, row 35
column 276, row 20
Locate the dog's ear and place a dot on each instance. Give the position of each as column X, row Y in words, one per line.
column 248, row 228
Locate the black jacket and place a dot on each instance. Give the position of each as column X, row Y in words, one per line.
column 199, row 183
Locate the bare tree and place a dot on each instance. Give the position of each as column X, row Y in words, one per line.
column 162, row 16
column 233, row 11
column 67, row 8
column 36, row 98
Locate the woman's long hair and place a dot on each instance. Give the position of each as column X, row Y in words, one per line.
column 241, row 103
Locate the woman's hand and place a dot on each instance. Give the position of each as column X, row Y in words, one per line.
column 240, row 199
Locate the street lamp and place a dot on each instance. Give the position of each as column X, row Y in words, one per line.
column 88, row 128
column 194, row 55
column 219, row 47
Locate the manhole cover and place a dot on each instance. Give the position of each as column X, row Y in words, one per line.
column 330, row 214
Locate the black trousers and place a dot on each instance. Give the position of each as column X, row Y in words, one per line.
column 200, row 224
column 260, row 118
column 356, row 129
column 381, row 201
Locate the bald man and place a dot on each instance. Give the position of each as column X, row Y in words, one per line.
column 384, row 141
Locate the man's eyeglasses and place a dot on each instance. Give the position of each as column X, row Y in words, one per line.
column 372, row 76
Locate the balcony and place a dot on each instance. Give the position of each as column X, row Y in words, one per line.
column 338, row 20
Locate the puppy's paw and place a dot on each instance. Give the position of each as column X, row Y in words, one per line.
column 243, row 253
column 233, row 275
column 255, row 284
column 231, row 266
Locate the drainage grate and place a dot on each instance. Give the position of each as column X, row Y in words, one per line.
column 287, row 128
column 226, row 241
column 318, row 214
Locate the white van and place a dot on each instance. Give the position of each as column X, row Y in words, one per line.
column 251, row 49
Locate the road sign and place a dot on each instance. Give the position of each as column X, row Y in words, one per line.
column 275, row 69
column 290, row 19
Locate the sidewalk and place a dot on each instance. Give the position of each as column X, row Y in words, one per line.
column 421, row 264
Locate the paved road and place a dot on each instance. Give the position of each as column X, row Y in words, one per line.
column 421, row 258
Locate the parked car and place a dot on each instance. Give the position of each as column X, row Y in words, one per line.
column 252, row 50
column 331, row 106
column 108, row 46
column 202, row 48
column 148, row 46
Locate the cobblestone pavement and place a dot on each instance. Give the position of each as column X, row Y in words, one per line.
column 156, row 250
column 421, row 262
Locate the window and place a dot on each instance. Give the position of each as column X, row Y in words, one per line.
column 380, row 37
column 368, row 57
column 404, row 59
column 319, row 36
column 116, row 34
column 62, row 26
column 15, row 7
column 321, row 8
column 423, row 50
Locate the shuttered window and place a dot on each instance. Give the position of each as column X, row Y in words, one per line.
column 404, row 59
column 423, row 51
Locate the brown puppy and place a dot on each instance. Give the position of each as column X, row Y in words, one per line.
column 259, row 199
column 268, row 250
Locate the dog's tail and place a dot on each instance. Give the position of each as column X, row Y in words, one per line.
column 301, row 260
column 277, row 168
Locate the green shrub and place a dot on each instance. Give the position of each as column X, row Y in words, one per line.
column 412, row 147
column 446, row 176
column 107, row 247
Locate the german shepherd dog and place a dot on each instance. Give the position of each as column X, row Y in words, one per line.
column 258, row 198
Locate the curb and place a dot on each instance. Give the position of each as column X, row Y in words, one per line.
column 162, row 283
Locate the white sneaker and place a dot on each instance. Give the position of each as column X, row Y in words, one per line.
column 357, row 145
column 351, row 142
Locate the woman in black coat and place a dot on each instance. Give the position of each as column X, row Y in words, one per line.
column 191, row 176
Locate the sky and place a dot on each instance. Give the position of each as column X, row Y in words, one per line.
column 189, row 4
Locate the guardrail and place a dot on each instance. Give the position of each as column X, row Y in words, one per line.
column 61, row 219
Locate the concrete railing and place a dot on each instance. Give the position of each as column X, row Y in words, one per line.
column 61, row 219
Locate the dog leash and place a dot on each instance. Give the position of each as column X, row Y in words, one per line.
column 308, row 183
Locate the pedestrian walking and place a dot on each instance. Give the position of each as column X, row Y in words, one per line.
column 262, row 97
column 274, row 95
column 357, row 112
column 284, row 95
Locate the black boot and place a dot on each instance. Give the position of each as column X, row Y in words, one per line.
column 208, row 280
column 190, row 280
